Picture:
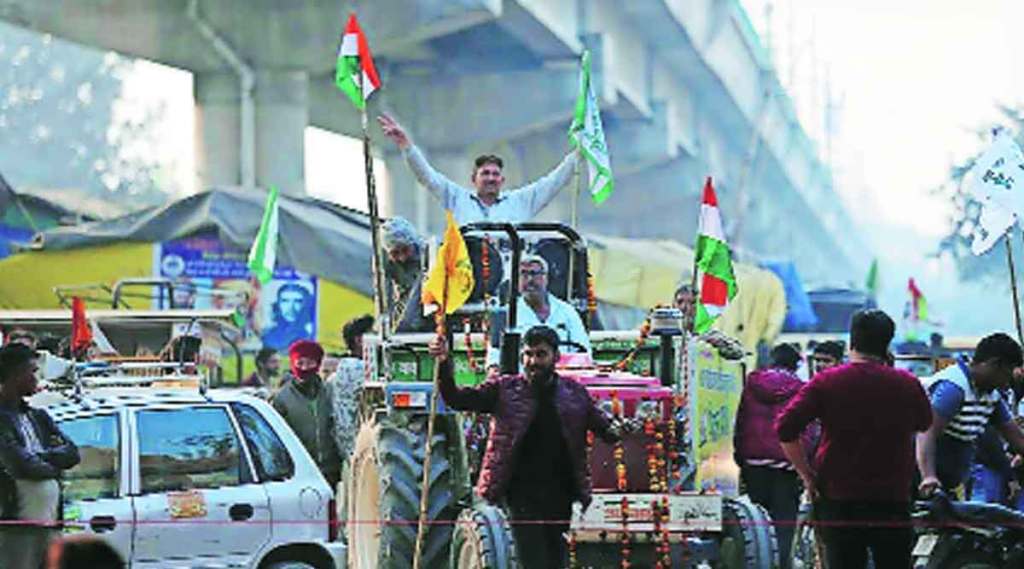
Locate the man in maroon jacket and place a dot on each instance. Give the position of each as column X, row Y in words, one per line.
column 863, row 471
column 535, row 460
column 767, row 474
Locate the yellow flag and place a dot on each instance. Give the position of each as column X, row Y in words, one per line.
column 453, row 268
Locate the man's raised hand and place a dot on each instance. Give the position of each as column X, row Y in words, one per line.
column 438, row 347
column 393, row 130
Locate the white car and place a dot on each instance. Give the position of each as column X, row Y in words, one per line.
column 175, row 478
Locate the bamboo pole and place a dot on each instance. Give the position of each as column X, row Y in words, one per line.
column 425, row 484
column 379, row 290
column 1013, row 289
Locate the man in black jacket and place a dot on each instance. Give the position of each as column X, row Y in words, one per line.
column 33, row 453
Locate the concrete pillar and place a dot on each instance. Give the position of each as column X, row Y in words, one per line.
column 281, row 115
column 218, row 125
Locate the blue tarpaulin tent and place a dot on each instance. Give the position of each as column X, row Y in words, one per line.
column 800, row 314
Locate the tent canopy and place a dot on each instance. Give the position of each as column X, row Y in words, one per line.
column 800, row 314
column 316, row 237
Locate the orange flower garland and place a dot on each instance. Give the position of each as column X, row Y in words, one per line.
column 627, row 360
column 665, row 548
column 656, row 518
column 468, row 328
column 652, row 456
column 619, row 453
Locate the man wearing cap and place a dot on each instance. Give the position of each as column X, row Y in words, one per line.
column 305, row 403
column 486, row 202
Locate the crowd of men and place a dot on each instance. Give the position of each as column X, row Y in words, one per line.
column 823, row 436
column 864, row 439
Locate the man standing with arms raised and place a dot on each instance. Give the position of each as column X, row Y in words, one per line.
column 486, row 202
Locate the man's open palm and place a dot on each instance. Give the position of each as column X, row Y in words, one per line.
column 393, row 130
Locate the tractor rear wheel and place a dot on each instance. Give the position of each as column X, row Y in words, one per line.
column 748, row 537
column 384, row 496
column 483, row 540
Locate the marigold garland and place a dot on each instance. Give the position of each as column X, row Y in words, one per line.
column 627, row 360
column 666, row 548
column 656, row 519
column 619, row 452
column 468, row 329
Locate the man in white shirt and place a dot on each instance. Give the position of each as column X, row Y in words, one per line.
column 486, row 202
column 536, row 306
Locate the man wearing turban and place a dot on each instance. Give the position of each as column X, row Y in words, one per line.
column 305, row 403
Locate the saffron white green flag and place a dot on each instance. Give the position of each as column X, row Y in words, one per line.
column 713, row 263
column 356, row 75
column 263, row 254
column 587, row 134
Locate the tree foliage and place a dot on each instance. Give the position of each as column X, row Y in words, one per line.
column 957, row 241
column 59, row 126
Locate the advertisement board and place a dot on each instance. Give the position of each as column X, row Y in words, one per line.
column 208, row 275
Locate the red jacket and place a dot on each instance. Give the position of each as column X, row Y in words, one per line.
column 511, row 402
column 765, row 394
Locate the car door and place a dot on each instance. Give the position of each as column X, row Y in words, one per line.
column 197, row 501
column 95, row 492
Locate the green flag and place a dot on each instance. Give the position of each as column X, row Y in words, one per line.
column 263, row 253
column 587, row 135
column 871, row 282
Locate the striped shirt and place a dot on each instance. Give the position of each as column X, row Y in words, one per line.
column 967, row 411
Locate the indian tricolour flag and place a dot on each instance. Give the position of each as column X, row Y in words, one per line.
column 263, row 253
column 713, row 263
column 356, row 75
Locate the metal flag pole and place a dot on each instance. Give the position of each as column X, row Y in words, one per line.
column 1013, row 289
column 377, row 267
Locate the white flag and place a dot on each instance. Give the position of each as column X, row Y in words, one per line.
column 997, row 182
column 587, row 134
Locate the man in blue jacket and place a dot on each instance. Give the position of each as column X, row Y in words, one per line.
column 33, row 454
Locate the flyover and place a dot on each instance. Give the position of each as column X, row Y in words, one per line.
column 685, row 88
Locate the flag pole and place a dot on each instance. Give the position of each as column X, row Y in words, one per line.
column 377, row 268
column 439, row 319
column 577, row 190
column 1013, row 288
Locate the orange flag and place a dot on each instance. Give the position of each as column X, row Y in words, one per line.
column 81, row 333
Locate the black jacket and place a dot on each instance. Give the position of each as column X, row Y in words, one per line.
column 16, row 462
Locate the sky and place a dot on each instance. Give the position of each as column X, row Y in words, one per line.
column 911, row 81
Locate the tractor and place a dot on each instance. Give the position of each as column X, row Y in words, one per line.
column 665, row 496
